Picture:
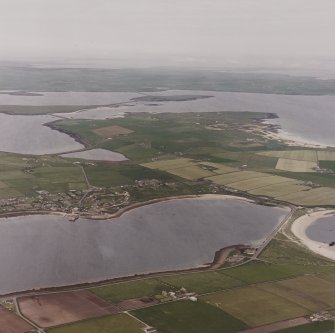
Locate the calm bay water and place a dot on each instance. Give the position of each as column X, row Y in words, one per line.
column 322, row 230
column 68, row 98
column 46, row 251
column 304, row 118
column 28, row 135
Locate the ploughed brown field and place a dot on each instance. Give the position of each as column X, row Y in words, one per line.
column 109, row 131
column 62, row 308
column 11, row 323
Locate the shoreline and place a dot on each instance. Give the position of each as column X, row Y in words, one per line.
column 299, row 227
column 275, row 132
column 77, row 138
column 132, row 206
column 218, row 259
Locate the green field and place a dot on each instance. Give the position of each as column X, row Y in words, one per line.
column 154, row 136
column 59, row 178
column 132, row 289
column 318, row 327
column 190, row 317
column 279, row 190
column 327, row 165
column 104, row 175
column 185, row 147
column 192, row 172
column 234, row 177
column 255, row 272
column 302, row 298
column 323, row 196
column 25, row 175
column 316, row 288
column 300, row 155
column 258, row 183
column 296, row 166
column 219, row 168
column 112, row 324
column 189, row 169
column 202, row 282
column 255, row 306
column 199, row 282
column 300, row 160
column 165, row 165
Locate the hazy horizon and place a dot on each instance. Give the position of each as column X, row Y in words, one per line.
column 199, row 33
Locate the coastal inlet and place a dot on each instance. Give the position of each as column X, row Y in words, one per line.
column 41, row 251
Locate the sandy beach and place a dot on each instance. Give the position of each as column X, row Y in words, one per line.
column 299, row 230
column 291, row 139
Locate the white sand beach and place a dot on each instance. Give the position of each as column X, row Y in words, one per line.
column 299, row 230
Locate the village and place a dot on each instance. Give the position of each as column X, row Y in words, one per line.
column 89, row 203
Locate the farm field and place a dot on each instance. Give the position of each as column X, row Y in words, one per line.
column 301, row 298
column 327, row 165
column 190, row 317
column 281, row 189
column 316, row 288
column 247, row 303
column 299, row 155
column 190, row 169
column 59, row 178
column 115, row 293
column 295, row 165
column 219, row 168
column 62, row 308
column 329, row 277
column 278, row 290
column 120, row 323
column 234, row 177
column 192, row 172
column 202, row 282
column 318, row 327
column 169, row 164
column 103, row 175
column 111, row 131
column 11, row 323
column 313, row 197
column 324, row 155
column 300, row 160
column 256, row 272
column 186, row 147
column 24, row 176
column 255, row 183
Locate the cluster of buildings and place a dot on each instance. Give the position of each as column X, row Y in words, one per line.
column 182, row 293
column 93, row 202
column 322, row 316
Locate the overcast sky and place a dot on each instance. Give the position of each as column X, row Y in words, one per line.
column 187, row 30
